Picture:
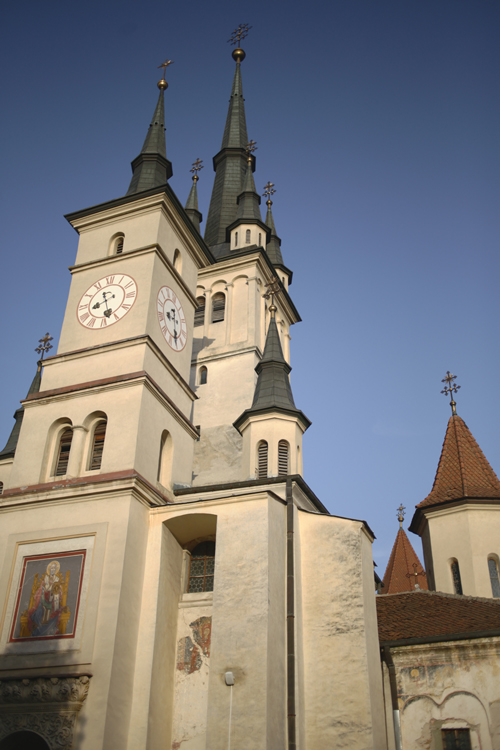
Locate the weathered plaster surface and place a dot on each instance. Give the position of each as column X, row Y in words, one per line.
column 217, row 456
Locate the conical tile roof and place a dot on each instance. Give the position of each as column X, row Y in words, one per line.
column 463, row 470
column 151, row 168
column 404, row 569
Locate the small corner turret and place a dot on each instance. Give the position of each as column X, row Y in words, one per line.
column 192, row 201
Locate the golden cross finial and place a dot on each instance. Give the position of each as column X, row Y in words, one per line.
column 401, row 515
column 45, row 345
column 268, row 192
column 197, row 165
column 450, row 388
column 250, row 148
column 272, row 288
column 240, row 33
column 163, row 84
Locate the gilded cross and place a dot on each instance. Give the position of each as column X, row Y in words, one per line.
column 272, row 288
column 165, row 66
column 268, row 192
column 450, row 388
column 401, row 515
column 197, row 165
column 240, row 33
column 45, row 345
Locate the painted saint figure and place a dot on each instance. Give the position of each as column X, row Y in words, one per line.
column 44, row 615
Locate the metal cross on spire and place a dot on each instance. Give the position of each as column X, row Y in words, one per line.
column 163, row 84
column 240, row 33
column 250, row 148
column 197, row 165
column 272, row 288
column 268, row 192
column 401, row 515
column 450, row 388
column 45, row 345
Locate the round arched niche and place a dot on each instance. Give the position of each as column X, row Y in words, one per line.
column 23, row 741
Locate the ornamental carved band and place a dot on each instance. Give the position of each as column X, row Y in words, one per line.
column 45, row 705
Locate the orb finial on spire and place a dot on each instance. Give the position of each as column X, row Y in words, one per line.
column 163, row 84
column 238, row 34
column 268, row 192
column 450, row 388
column 197, row 165
column 250, row 148
column 401, row 515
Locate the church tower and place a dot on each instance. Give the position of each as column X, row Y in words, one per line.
column 459, row 521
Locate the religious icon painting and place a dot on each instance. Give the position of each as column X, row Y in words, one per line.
column 49, row 596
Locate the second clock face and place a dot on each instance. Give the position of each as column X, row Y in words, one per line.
column 171, row 318
column 107, row 301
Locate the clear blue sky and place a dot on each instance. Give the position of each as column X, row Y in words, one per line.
column 378, row 122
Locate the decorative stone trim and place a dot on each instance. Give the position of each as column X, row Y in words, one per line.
column 45, row 705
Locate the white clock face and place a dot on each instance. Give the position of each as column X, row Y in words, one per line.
column 171, row 318
column 107, row 301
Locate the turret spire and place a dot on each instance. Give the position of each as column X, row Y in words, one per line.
column 274, row 244
column 192, row 201
column 151, row 168
column 230, row 164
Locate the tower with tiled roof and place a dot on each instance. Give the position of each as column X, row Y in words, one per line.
column 404, row 570
column 459, row 521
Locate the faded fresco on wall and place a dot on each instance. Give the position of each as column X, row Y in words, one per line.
column 49, row 596
column 188, row 654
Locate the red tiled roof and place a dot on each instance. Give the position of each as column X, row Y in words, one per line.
column 463, row 471
column 425, row 614
column 402, row 566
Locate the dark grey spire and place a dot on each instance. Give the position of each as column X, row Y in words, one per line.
column 274, row 245
column 229, row 166
column 151, row 168
column 10, row 448
column 249, row 199
column 192, row 206
column 273, row 392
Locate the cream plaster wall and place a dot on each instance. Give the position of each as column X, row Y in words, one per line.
column 469, row 534
column 453, row 684
column 339, row 675
column 272, row 428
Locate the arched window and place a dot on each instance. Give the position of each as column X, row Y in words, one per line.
column 95, row 459
column 63, row 450
column 119, row 246
column 262, row 460
column 1, row 488
column 455, row 574
column 218, row 307
column 23, row 740
column 203, row 375
column 199, row 313
column 247, row 237
column 165, row 459
column 456, row 739
column 178, row 261
column 201, row 568
column 236, row 239
column 283, row 453
column 493, row 571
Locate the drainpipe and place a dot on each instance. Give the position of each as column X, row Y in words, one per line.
column 290, row 616
column 396, row 717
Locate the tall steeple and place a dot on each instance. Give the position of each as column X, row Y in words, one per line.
column 151, row 168
column 229, row 166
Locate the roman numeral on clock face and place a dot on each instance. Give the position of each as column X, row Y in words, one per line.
column 107, row 301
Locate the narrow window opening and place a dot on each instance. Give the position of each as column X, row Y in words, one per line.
column 495, row 583
column 201, row 568
column 203, row 375
column 260, row 239
column 262, row 460
column 283, row 452
column 165, row 459
column 456, row 739
column 455, row 573
column 97, row 447
column 1, row 488
column 119, row 246
column 178, row 261
column 218, row 307
column 199, row 313
column 236, row 239
column 247, row 237
column 63, row 453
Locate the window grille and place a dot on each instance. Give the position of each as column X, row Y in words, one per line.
column 199, row 313
column 495, row 583
column 247, row 237
column 282, row 458
column 456, row 739
column 201, row 568
column 119, row 246
column 457, row 581
column 262, row 460
column 1, row 488
column 218, row 307
column 97, row 446
column 203, row 375
column 63, row 453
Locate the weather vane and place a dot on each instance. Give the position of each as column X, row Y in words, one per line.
column 163, row 84
column 268, row 192
column 250, row 148
column 197, row 165
column 45, row 345
column 401, row 515
column 450, row 388
column 240, row 33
